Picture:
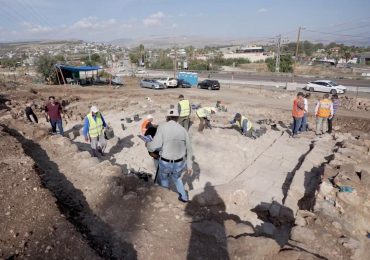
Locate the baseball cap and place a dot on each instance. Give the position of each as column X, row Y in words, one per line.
column 149, row 117
column 173, row 112
column 94, row 109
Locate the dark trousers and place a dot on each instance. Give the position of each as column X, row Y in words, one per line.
column 204, row 122
column 330, row 124
column 57, row 123
column 297, row 121
column 32, row 117
column 303, row 127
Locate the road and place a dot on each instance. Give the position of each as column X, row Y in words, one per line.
column 266, row 79
column 281, row 78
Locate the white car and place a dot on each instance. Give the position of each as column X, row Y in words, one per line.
column 140, row 72
column 325, row 86
column 168, row 82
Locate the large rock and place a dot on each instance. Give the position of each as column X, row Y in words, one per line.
column 82, row 155
column 252, row 248
column 210, row 228
column 349, row 198
column 234, row 229
column 302, row 234
column 295, row 255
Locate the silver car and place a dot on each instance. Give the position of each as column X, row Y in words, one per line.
column 150, row 83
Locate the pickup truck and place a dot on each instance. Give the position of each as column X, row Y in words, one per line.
column 168, row 82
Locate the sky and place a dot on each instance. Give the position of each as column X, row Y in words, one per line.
column 104, row 21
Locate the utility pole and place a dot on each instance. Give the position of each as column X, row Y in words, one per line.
column 277, row 64
column 296, row 50
column 297, row 45
column 175, row 63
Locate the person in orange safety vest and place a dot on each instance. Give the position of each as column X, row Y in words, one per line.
column 323, row 111
column 297, row 113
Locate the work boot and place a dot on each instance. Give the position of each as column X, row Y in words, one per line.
column 94, row 153
column 100, row 151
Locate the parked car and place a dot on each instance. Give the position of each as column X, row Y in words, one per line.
column 325, row 86
column 140, row 72
column 181, row 83
column 150, row 83
column 209, row 84
column 169, row 82
column 117, row 81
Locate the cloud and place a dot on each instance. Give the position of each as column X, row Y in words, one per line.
column 261, row 10
column 92, row 23
column 154, row 19
column 36, row 28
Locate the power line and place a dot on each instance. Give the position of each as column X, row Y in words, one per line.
column 357, row 27
column 344, row 23
column 342, row 35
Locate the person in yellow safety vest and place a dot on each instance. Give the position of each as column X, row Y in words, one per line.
column 184, row 108
column 245, row 125
column 323, row 111
column 204, row 114
column 94, row 125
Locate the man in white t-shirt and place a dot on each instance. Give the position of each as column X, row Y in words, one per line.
column 304, row 124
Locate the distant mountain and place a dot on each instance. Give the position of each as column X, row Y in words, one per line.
column 179, row 41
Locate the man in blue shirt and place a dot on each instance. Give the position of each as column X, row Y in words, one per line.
column 335, row 100
column 93, row 130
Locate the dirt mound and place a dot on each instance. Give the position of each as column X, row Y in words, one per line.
column 355, row 104
column 34, row 226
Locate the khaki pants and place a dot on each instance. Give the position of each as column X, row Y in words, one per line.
column 184, row 121
column 321, row 125
column 98, row 142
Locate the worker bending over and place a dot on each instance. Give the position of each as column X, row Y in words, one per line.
column 244, row 125
column 204, row 114
column 93, row 130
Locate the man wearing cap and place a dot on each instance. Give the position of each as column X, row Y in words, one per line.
column 244, row 125
column 184, row 108
column 172, row 140
column 204, row 114
column 93, row 131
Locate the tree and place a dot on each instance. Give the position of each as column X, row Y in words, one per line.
column 9, row 62
column 137, row 54
column 286, row 63
column 347, row 56
column 45, row 66
column 94, row 60
column 270, row 64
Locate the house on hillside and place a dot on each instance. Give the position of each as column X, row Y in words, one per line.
column 364, row 58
